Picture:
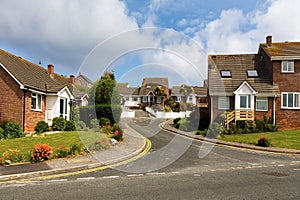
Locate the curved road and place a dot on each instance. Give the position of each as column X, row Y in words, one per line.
column 225, row 173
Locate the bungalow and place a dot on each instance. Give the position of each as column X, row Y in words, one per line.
column 29, row 93
column 257, row 85
column 129, row 95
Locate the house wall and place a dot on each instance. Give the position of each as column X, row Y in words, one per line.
column 32, row 117
column 287, row 82
column 261, row 114
column 11, row 104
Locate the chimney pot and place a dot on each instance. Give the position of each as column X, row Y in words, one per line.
column 269, row 41
column 72, row 79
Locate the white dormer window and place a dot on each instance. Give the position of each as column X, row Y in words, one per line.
column 287, row 66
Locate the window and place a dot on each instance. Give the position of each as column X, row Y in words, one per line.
column 223, row 103
column 190, row 98
column 126, row 98
column 158, row 100
column 177, row 99
column 245, row 101
column 36, row 101
column 63, row 107
column 287, row 66
column 262, row 103
column 252, row 73
column 290, row 100
column 225, row 73
column 135, row 99
column 144, row 98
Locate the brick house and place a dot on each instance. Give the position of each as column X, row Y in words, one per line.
column 29, row 93
column 257, row 85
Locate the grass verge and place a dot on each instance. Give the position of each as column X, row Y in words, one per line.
column 282, row 139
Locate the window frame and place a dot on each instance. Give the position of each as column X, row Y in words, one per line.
column 295, row 100
column 63, row 107
column 262, row 100
column 177, row 98
column 226, row 102
column 250, row 73
column 248, row 101
column 287, row 62
column 225, row 75
column 145, row 99
column 158, row 100
column 38, row 105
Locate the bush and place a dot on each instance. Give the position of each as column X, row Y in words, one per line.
column 41, row 152
column 12, row 130
column 100, row 144
column 41, row 127
column 61, row 152
column 70, row 126
column 263, row 141
column 94, row 123
column 80, row 125
column 104, row 122
column 59, row 123
column 1, row 133
column 13, row 155
column 75, row 149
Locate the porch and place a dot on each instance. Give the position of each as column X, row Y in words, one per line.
column 236, row 115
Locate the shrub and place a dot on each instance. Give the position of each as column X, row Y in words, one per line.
column 1, row 133
column 104, row 122
column 176, row 120
column 101, row 143
column 59, row 123
column 75, row 149
column 263, row 141
column 41, row 152
column 70, row 126
column 80, row 125
column 61, row 152
column 41, row 127
column 13, row 155
column 94, row 123
column 12, row 130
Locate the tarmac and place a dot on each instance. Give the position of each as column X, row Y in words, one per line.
column 132, row 147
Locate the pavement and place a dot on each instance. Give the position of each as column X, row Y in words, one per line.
column 132, row 145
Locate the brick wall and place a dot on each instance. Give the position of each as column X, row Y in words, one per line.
column 32, row 117
column 287, row 82
column 11, row 103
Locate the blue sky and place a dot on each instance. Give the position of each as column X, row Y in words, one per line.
column 136, row 39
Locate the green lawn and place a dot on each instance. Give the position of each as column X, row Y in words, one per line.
column 282, row 139
column 25, row 144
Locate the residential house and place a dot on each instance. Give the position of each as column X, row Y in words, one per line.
column 257, row 85
column 30, row 93
column 201, row 94
column 83, row 81
column 154, row 91
column 129, row 95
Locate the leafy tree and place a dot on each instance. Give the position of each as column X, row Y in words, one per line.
column 186, row 90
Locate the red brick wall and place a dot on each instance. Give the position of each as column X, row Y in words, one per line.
column 11, row 99
column 33, row 117
column 287, row 82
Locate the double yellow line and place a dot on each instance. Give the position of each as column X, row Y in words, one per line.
column 46, row 177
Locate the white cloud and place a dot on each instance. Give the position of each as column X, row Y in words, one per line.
column 182, row 22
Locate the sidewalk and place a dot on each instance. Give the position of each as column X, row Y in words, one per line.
column 131, row 146
column 167, row 126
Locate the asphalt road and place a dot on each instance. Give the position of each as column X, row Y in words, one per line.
column 170, row 171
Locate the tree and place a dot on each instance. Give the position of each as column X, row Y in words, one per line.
column 107, row 98
column 186, row 91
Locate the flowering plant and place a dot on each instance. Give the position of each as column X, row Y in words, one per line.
column 41, row 152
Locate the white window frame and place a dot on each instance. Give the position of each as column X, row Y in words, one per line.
column 285, row 97
column 264, row 100
column 145, row 99
column 126, row 98
column 287, row 66
column 64, row 111
column 158, row 99
column 135, row 99
column 177, row 98
column 37, row 106
column 223, row 100
column 248, row 101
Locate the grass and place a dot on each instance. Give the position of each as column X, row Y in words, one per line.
column 282, row 139
column 25, row 144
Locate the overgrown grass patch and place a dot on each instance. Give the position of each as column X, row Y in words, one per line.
column 282, row 139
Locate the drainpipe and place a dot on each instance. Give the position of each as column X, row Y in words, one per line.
column 24, row 111
column 274, row 110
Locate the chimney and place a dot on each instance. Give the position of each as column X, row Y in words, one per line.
column 51, row 70
column 269, row 41
column 72, row 79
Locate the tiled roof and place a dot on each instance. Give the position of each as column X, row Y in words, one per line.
column 31, row 75
column 238, row 65
column 150, row 84
column 175, row 91
column 282, row 49
column 124, row 89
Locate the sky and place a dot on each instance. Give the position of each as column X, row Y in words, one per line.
column 136, row 39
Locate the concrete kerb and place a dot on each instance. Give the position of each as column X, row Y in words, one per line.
column 167, row 126
column 85, row 166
